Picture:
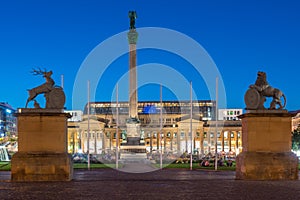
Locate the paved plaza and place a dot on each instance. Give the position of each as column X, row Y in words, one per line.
column 162, row 184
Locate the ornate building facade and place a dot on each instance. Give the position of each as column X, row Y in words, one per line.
column 172, row 134
column 295, row 119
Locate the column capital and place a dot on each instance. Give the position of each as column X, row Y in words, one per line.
column 132, row 36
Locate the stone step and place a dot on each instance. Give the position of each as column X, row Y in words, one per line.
column 133, row 156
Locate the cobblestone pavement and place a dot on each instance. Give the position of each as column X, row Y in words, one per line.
column 163, row 184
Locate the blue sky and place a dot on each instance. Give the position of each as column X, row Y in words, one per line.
column 241, row 37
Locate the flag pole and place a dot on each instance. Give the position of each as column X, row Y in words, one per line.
column 191, row 125
column 161, row 127
column 88, row 125
column 117, row 128
column 216, row 135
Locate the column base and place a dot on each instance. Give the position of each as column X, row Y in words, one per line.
column 41, row 166
column 267, row 166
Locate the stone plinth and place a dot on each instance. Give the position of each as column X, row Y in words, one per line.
column 266, row 143
column 42, row 146
column 134, row 147
column 267, row 166
column 133, row 130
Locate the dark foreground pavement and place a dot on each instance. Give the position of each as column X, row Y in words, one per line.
column 164, row 184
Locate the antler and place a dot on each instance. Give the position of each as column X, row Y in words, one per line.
column 38, row 72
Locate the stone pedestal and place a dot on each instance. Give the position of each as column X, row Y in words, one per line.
column 134, row 147
column 133, row 130
column 42, row 146
column 266, row 147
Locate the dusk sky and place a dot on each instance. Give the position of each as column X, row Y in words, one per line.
column 240, row 37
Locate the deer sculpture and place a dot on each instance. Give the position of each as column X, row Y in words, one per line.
column 54, row 95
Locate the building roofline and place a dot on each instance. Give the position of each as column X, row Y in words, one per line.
column 156, row 101
column 6, row 105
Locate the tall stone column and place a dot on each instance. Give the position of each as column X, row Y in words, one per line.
column 134, row 146
column 132, row 40
column 133, row 124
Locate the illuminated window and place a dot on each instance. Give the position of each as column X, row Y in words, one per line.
column 226, row 134
column 232, row 135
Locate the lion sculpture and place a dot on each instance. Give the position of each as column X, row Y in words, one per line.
column 262, row 87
